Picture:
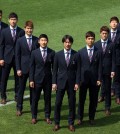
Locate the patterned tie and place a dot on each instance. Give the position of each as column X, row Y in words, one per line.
column 90, row 54
column 29, row 43
column 14, row 34
column 104, row 46
column 67, row 58
column 113, row 36
column 44, row 55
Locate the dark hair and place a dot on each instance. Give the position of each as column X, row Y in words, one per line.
column 104, row 28
column 29, row 23
column 43, row 36
column 13, row 15
column 90, row 34
column 1, row 11
column 114, row 18
column 69, row 37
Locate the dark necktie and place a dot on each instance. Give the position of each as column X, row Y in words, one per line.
column 13, row 34
column 104, row 46
column 44, row 55
column 113, row 36
column 29, row 43
column 90, row 54
column 67, row 58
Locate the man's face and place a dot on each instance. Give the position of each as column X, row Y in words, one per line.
column 43, row 42
column 114, row 24
column 0, row 16
column 13, row 22
column 104, row 35
column 90, row 41
column 67, row 44
column 28, row 30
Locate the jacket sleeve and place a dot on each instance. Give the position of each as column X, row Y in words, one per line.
column 100, row 67
column 113, row 58
column 78, row 70
column 32, row 67
column 18, row 55
column 55, row 70
column 2, row 45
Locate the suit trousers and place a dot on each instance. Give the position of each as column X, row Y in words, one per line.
column 93, row 97
column 46, row 86
column 22, row 86
column 106, row 84
column 117, row 81
column 71, row 100
column 4, row 79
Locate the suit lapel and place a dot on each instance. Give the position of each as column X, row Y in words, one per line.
column 40, row 56
column 26, row 44
column 86, row 55
column 9, row 33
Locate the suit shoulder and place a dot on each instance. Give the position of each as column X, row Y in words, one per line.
column 4, row 24
column 36, row 38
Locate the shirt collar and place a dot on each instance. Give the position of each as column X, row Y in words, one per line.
column 104, row 41
column 113, row 31
column 89, row 47
column 13, row 28
column 28, row 36
column 41, row 49
column 65, row 51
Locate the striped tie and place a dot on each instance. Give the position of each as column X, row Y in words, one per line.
column 90, row 54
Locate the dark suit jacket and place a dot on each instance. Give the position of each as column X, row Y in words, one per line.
column 7, row 45
column 116, row 38
column 39, row 70
column 3, row 25
column 22, row 54
column 62, row 73
column 91, row 72
column 108, row 58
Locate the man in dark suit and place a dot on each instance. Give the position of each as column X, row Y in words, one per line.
column 2, row 26
column 114, row 37
column 66, row 77
column 108, row 65
column 8, row 39
column 91, row 69
column 24, row 47
column 41, row 77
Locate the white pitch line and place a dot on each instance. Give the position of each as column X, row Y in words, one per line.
column 11, row 102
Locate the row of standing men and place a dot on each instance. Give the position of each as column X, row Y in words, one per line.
column 67, row 70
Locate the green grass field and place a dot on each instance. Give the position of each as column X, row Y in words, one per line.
column 57, row 18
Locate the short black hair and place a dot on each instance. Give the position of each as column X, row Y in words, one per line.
column 13, row 15
column 90, row 34
column 69, row 37
column 104, row 28
column 0, row 11
column 43, row 36
column 114, row 18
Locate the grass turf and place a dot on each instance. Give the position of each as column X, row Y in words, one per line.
column 57, row 18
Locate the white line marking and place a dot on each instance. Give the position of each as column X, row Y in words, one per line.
column 11, row 102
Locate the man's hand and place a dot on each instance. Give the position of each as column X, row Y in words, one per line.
column 76, row 87
column 19, row 73
column 98, row 83
column 112, row 74
column 2, row 62
column 54, row 87
column 32, row 85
